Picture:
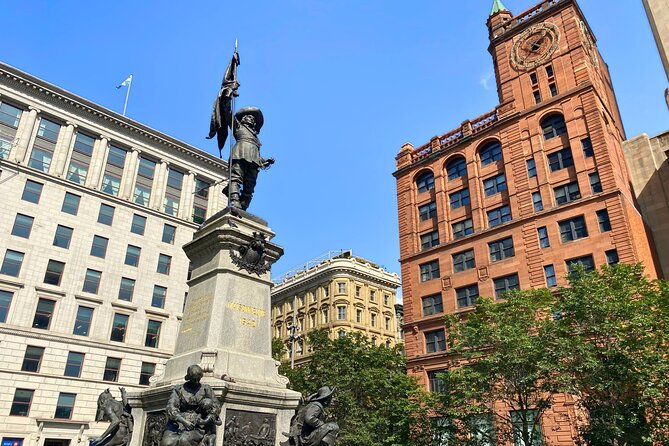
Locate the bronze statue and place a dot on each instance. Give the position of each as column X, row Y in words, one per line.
column 245, row 160
column 192, row 413
column 307, row 427
column 118, row 414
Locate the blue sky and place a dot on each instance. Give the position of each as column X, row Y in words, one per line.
column 343, row 84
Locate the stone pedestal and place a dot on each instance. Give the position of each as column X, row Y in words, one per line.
column 226, row 329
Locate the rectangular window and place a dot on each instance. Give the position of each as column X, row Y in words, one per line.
column 54, row 272
column 504, row 284
column 325, row 315
column 553, row 88
column 5, row 146
column 164, row 264
column 70, row 203
column 560, row 159
column 544, row 241
column 92, row 281
column 427, row 211
column 595, row 183
column 23, row 225
column 144, row 181
column 45, row 143
column 603, row 219
column 358, row 291
column 147, row 371
column 132, row 255
column 612, row 257
column 81, row 158
column 32, row 359
column 99, row 246
column 437, row 385
column 467, row 296
column 200, row 201
column 435, row 341
column 459, row 198
column 127, row 289
column 65, row 406
column 498, row 216
column 372, row 296
column 44, row 314
column 10, row 115
column 463, row 228
column 83, row 320
column 463, row 261
column 74, row 364
column 549, row 70
column 62, row 237
column 21, row 402
column 32, row 191
column 106, row 214
column 372, row 318
column 501, row 249
column 119, row 327
column 40, row 158
column 112, row 369
column 566, row 193
column 537, row 96
column 138, row 224
column 111, row 180
column 429, row 271
column 358, row 316
column 159, row 295
column 432, row 305
column 573, row 229
column 341, row 313
column 341, row 287
column 494, row 185
column 536, row 199
column 11, row 265
column 5, row 303
column 152, row 333
column 586, row 144
column 169, row 233
column 173, row 191
column 531, row 168
column 534, row 79
column 429, row 240
column 587, row 262
column 530, row 427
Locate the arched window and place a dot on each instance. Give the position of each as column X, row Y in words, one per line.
column 491, row 152
column 553, row 126
column 341, row 333
column 456, row 168
column 425, row 182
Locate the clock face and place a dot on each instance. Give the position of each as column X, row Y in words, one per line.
column 535, row 46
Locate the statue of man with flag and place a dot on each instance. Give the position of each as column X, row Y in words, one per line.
column 245, row 160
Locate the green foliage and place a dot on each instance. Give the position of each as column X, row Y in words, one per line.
column 604, row 340
column 502, row 352
column 614, row 334
column 375, row 402
column 278, row 349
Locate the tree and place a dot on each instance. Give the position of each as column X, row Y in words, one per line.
column 375, row 402
column 614, row 334
column 278, row 349
column 503, row 370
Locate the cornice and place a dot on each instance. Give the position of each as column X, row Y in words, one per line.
column 78, row 106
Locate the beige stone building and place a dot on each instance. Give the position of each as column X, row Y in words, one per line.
column 338, row 291
column 649, row 173
column 658, row 16
column 93, row 279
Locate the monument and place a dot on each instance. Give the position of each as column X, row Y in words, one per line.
column 224, row 342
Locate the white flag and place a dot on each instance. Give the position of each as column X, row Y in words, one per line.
column 126, row 83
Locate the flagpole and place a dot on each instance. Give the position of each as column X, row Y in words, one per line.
column 127, row 94
column 232, row 135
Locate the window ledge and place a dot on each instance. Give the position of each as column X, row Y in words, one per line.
column 157, row 312
column 50, row 291
column 88, row 299
column 14, row 284
column 124, row 306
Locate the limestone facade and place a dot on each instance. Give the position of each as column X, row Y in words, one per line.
column 513, row 198
column 343, row 293
column 93, row 277
column 658, row 16
column 649, row 172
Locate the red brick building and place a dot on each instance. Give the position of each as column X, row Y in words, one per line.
column 511, row 199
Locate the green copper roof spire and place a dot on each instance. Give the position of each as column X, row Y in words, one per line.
column 497, row 6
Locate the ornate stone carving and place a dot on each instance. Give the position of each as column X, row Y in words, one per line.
column 244, row 428
column 251, row 256
column 154, row 427
column 535, row 46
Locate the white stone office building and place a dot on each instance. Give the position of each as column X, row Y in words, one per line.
column 95, row 208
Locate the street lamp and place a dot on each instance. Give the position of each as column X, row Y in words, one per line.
column 294, row 336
